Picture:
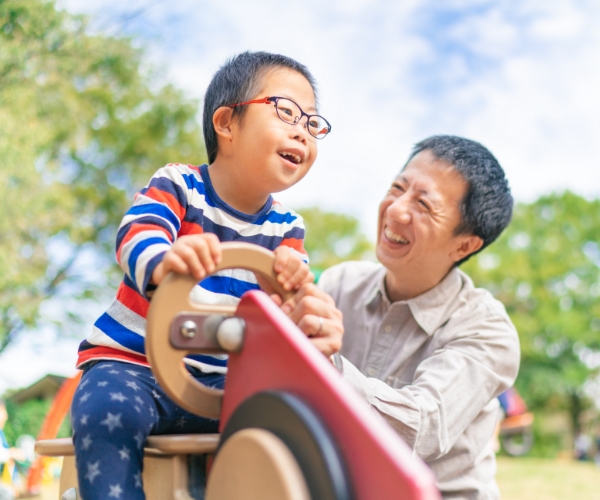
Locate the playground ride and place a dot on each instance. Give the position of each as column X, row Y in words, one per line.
column 291, row 428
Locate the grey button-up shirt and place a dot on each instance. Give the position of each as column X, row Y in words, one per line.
column 432, row 366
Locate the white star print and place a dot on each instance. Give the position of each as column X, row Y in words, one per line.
column 83, row 383
column 153, row 378
column 151, row 411
column 181, row 422
column 137, row 408
column 133, row 385
column 85, row 397
column 155, row 394
column 84, row 419
column 115, row 491
column 139, row 400
column 86, row 442
column 117, row 396
column 132, row 373
column 107, row 365
column 114, row 371
column 93, row 470
column 112, row 421
column 124, row 453
column 138, row 479
column 139, row 439
column 103, row 383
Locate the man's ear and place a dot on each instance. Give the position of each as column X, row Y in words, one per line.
column 466, row 245
column 223, row 121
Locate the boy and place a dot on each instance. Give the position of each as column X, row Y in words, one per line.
column 176, row 224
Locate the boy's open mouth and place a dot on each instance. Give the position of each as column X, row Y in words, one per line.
column 292, row 157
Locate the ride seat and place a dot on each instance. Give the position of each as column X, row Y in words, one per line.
column 166, row 467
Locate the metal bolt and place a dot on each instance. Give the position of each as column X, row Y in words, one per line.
column 188, row 329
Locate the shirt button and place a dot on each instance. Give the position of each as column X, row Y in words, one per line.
column 388, row 328
column 371, row 372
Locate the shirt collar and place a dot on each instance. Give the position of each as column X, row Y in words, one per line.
column 430, row 309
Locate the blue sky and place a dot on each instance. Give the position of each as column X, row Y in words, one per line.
column 520, row 76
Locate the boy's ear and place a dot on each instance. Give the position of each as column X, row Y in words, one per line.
column 222, row 121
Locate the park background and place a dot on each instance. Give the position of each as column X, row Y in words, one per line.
column 95, row 95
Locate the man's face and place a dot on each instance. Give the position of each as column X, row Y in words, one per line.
column 418, row 217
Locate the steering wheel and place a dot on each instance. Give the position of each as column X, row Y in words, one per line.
column 174, row 319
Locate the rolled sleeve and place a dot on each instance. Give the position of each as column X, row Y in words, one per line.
column 450, row 388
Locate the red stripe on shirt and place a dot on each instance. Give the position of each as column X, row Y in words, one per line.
column 132, row 300
column 190, row 228
column 108, row 353
column 168, row 199
column 294, row 243
column 138, row 228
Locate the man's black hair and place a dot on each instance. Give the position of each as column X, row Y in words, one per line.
column 486, row 209
column 239, row 80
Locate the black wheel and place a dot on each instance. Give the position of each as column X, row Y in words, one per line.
column 296, row 424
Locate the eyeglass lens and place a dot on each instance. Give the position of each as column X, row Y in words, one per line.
column 291, row 113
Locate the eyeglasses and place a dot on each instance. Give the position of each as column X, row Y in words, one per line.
column 289, row 112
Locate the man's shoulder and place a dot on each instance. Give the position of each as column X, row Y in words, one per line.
column 475, row 305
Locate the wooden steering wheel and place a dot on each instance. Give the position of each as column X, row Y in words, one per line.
column 169, row 318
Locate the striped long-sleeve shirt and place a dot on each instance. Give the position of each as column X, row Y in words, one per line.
column 180, row 200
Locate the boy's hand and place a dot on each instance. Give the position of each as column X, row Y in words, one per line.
column 195, row 254
column 291, row 271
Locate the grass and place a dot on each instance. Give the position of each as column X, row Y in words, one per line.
column 545, row 479
column 519, row 479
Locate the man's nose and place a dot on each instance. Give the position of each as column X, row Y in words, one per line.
column 400, row 210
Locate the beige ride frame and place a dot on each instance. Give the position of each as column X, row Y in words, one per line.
column 165, row 457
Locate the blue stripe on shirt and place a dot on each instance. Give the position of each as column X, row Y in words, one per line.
column 138, row 249
column 227, row 285
column 156, row 209
column 120, row 334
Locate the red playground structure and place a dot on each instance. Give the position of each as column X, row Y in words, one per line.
column 290, row 426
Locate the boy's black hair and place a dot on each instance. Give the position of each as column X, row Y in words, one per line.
column 486, row 209
column 239, row 80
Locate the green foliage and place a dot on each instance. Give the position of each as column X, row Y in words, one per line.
column 332, row 238
column 545, row 269
column 27, row 418
column 82, row 126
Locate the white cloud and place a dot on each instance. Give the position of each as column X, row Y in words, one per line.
column 519, row 76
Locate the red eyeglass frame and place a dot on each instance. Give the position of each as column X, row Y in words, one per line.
column 274, row 99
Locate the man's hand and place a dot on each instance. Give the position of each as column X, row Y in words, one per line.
column 316, row 315
column 195, row 254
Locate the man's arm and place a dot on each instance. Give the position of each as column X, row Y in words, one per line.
column 449, row 389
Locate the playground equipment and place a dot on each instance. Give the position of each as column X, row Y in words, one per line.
column 291, row 428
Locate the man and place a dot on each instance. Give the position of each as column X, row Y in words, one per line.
column 428, row 350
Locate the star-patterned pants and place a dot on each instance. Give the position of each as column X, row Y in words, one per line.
column 116, row 406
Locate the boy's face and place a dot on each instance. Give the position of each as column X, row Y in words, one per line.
column 261, row 139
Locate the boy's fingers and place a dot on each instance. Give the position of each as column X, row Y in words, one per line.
column 189, row 255
column 282, row 256
column 297, row 278
column 173, row 262
column 204, row 254
column 215, row 247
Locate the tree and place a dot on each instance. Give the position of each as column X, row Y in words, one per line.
column 332, row 238
column 545, row 269
column 83, row 124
